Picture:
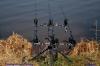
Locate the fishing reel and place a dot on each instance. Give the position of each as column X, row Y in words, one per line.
column 36, row 40
column 35, row 21
column 50, row 23
column 72, row 41
column 65, row 22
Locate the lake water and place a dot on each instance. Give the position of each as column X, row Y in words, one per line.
column 17, row 16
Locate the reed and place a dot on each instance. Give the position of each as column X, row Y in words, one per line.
column 18, row 50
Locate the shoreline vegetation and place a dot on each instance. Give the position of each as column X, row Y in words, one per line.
column 17, row 50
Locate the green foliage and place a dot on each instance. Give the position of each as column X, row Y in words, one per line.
column 77, row 61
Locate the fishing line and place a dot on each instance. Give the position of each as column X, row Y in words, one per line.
column 49, row 10
column 62, row 11
column 35, row 9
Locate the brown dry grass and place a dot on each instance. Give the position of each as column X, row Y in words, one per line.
column 85, row 47
column 15, row 50
column 86, row 52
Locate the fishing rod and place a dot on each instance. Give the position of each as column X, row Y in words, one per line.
column 54, row 42
column 53, row 47
column 35, row 39
column 71, row 41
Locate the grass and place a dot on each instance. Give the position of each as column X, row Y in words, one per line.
column 17, row 50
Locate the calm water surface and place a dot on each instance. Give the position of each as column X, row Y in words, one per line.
column 17, row 16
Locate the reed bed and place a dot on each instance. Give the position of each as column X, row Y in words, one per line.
column 18, row 50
